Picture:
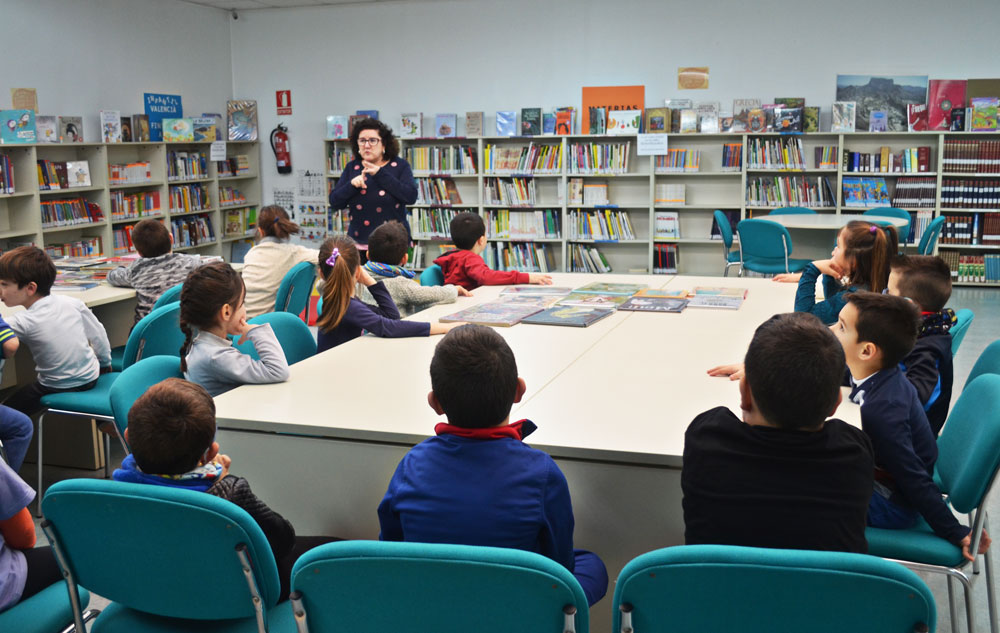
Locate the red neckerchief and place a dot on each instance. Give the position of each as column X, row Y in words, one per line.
column 518, row 430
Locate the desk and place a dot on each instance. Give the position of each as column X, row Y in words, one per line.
column 612, row 402
column 828, row 221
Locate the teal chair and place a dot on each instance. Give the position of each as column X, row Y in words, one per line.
column 295, row 337
column 892, row 212
column 722, row 588
column 296, row 286
column 792, row 211
column 987, row 363
column 432, row 276
column 960, row 329
column 930, row 237
column 766, row 247
column 731, row 257
column 968, row 459
column 373, row 586
column 134, row 382
column 168, row 559
column 169, row 296
column 47, row 611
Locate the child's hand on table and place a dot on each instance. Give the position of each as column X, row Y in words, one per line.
column 735, row 372
column 540, row 279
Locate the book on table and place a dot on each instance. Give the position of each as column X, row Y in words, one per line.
column 715, row 301
column 653, row 304
column 720, row 291
column 665, row 293
column 611, row 288
column 495, row 313
column 536, row 290
column 572, row 316
column 594, row 300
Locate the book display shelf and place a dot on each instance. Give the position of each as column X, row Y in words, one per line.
column 590, row 203
column 175, row 183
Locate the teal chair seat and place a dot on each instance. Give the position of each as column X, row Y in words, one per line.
column 45, row 612
column 94, row 401
column 119, row 619
column 432, row 276
column 917, row 543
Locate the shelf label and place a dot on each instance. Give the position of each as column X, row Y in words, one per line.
column 651, row 144
column 217, row 151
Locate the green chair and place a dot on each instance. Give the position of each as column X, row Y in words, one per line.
column 765, row 247
column 296, row 339
column 372, row 586
column 792, row 211
column 169, row 296
column 47, row 611
column 731, row 257
column 987, row 363
column 168, row 559
column 930, row 237
column 961, row 328
column 432, row 276
column 968, row 459
column 296, row 286
column 134, row 382
column 893, row 212
column 721, row 588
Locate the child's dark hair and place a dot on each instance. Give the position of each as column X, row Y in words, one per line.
column 273, row 221
column 466, row 229
column 338, row 279
column 388, row 243
column 26, row 264
column 926, row 279
column 870, row 248
column 891, row 323
column 794, row 366
column 205, row 291
column 171, row 426
column 151, row 238
column 474, row 377
column 389, row 142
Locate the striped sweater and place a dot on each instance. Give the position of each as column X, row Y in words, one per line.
column 152, row 276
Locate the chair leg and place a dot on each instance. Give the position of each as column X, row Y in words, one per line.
column 952, row 607
column 991, row 600
column 970, row 615
column 40, row 490
column 107, row 455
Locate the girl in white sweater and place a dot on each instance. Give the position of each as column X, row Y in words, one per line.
column 266, row 264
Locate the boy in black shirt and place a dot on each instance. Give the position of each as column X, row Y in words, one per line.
column 784, row 476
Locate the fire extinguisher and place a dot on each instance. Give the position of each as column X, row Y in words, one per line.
column 282, row 149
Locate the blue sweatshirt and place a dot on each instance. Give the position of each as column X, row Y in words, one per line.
column 382, row 320
column 383, row 198
column 835, row 295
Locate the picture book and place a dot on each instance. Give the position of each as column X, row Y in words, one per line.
column 531, row 121
column 506, row 123
column 719, row 291
column 622, row 122
column 446, row 125
column 572, row 316
column 352, row 120
column 611, row 288
column 757, row 120
column 984, row 114
column 564, row 122
column 336, row 126
column 371, row 114
column 790, row 102
column 46, row 129
column 916, row 117
column 242, row 119
column 666, row 224
column 708, row 116
column 688, row 121
column 958, row 119
column 943, row 96
column 204, row 128
column 536, row 290
column 217, row 121
column 787, row 120
column 607, row 98
column 71, row 129
column 495, row 313
column 126, row 129
column 541, row 301
column 473, row 123
column 410, row 125
column 597, row 120
column 77, row 174
column 878, row 121
column 843, row 116
column 657, row 120
column 18, row 126
column 111, row 126
column 178, row 130
column 140, row 128
column 741, row 113
column 593, row 300
column 548, row 123
column 725, row 121
column 810, row 119
column 653, row 304
column 662, row 293
column 715, row 301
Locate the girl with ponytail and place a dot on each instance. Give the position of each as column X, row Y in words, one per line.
column 859, row 262
column 267, row 263
column 344, row 316
column 212, row 309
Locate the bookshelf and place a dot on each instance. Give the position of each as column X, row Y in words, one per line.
column 128, row 182
column 716, row 171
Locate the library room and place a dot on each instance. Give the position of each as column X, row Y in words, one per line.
column 440, row 315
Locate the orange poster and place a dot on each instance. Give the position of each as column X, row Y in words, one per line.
column 610, row 98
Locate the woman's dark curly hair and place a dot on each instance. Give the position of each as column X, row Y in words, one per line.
column 389, row 142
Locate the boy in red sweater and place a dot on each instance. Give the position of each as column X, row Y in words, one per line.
column 465, row 266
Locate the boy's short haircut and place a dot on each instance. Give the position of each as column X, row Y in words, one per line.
column 26, row 264
column 388, row 243
column 794, row 367
column 466, row 229
column 171, row 426
column 890, row 322
column 926, row 279
column 474, row 376
column 151, row 238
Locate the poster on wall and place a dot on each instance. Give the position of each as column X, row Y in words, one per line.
column 611, row 98
column 891, row 93
column 692, row 78
column 159, row 107
column 311, row 209
column 24, row 99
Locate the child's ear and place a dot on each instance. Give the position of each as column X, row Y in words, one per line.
column 481, row 241
column 521, row 388
column 226, row 312
column 406, row 258
column 836, row 405
column 210, row 454
column 746, row 397
column 433, row 401
column 869, row 351
column 31, row 287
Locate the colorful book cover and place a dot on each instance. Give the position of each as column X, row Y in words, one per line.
column 741, row 113
column 446, row 125
column 217, row 121
column 495, row 313
column 410, row 125
column 611, row 288
column 594, row 300
column 719, row 291
column 597, row 121
column 854, row 195
column 506, row 122
column 178, row 130
column 810, row 119
column 715, row 301
column 140, row 128
column 876, row 192
column 336, row 126
column 473, row 123
column 572, row 316
column 548, row 123
column 541, row 301
column 564, row 122
column 791, row 102
column 657, row 120
column 241, row 119
column 71, row 129
column 757, row 120
column 878, row 121
column 843, row 116
column 46, row 129
column 943, row 96
column 18, row 126
column 725, row 121
column 984, row 114
column 662, row 293
column 204, row 128
column 622, row 122
column 653, row 304
column 608, row 98
column 77, row 174
column 371, row 114
column 111, row 126
column 787, row 119
column 126, row 129
column 531, row 121
column 916, row 117
column 536, row 290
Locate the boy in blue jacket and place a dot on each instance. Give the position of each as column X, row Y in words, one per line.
column 476, row 482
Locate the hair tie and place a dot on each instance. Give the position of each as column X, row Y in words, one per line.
column 872, row 229
column 332, row 259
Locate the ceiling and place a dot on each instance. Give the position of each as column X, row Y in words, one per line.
column 272, row 4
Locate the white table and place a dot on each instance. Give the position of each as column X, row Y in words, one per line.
column 828, row 221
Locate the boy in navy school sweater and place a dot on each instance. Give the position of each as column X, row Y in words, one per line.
column 926, row 281
column 477, row 482
column 877, row 331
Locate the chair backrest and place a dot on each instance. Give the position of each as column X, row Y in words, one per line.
column 432, row 276
column 372, row 586
column 964, row 320
column 792, row 211
column 156, row 334
column 893, row 212
column 763, row 239
column 725, row 228
column 709, row 588
column 169, row 295
column 930, row 237
column 969, row 444
column 296, row 286
column 135, row 380
column 182, row 545
column 987, row 363
column 295, row 337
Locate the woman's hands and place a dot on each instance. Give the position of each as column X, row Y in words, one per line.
column 369, row 167
column 359, row 181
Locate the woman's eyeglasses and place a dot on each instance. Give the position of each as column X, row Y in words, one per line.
column 369, row 141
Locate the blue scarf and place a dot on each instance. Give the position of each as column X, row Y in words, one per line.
column 385, row 270
column 200, row 479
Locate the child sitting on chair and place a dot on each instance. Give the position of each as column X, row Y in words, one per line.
column 477, row 482
column 465, row 266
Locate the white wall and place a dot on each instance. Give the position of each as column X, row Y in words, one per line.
column 460, row 55
column 86, row 55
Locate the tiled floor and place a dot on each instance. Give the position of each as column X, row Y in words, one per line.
column 985, row 303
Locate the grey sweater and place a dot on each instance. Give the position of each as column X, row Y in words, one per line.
column 152, row 276
column 408, row 295
column 216, row 365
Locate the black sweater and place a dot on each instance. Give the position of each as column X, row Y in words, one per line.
column 929, row 368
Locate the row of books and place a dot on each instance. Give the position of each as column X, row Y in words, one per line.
column 192, row 231
column 585, row 258
column 135, row 173
column 915, row 193
column 337, row 159
column 122, row 240
column 600, row 224
column 522, row 225
column 972, row 156
column 781, row 191
column 56, row 175
column 919, row 221
column 665, row 259
column 134, row 206
column 238, row 165
column 776, row 153
column 87, row 247
column 509, row 191
column 231, row 197
column 732, row 157
column 865, row 192
column 976, row 229
column 669, row 193
column 679, row 161
column 244, row 222
column 188, row 198
column 433, row 223
column 524, row 257
column 970, row 194
column 531, row 159
column 453, row 159
column 70, row 212
column 6, row 175
column 599, row 158
column 187, row 165
column 910, row 160
column 440, row 191
column 973, row 268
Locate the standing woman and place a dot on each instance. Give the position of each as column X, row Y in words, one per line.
column 267, row 263
column 376, row 185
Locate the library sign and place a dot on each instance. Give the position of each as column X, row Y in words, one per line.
column 284, row 101
column 159, row 107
